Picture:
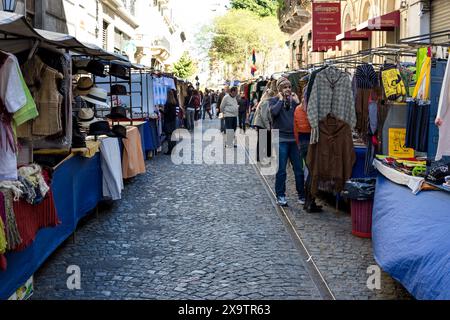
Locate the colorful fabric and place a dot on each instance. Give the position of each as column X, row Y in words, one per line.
column 29, row 110
column 133, row 158
column 421, row 55
column 12, row 99
column 393, row 85
column 422, row 89
column 3, row 243
column 12, row 232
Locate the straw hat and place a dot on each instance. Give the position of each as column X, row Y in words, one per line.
column 86, row 116
column 97, row 96
column 84, row 84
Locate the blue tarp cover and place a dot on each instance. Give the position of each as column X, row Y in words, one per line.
column 411, row 238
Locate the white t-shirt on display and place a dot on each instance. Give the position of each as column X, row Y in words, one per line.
column 14, row 98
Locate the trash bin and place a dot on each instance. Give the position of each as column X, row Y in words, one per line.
column 361, row 193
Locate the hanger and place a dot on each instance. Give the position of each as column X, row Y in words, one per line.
column 33, row 49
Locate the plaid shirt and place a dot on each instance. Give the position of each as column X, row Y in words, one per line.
column 331, row 93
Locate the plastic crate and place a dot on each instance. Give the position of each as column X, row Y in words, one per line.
column 361, row 211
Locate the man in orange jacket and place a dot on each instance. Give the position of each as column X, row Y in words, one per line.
column 302, row 132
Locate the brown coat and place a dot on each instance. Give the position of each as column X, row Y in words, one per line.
column 331, row 160
column 42, row 81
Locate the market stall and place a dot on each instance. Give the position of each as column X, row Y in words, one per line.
column 77, row 154
column 410, row 214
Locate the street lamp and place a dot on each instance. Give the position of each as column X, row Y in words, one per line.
column 9, row 5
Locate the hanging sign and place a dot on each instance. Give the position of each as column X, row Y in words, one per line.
column 326, row 26
column 397, row 138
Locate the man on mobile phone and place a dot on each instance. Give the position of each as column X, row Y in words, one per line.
column 282, row 108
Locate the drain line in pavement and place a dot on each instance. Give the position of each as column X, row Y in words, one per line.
column 311, row 266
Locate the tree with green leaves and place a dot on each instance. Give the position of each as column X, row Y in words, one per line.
column 185, row 67
column 263, row 8
column 237, row 33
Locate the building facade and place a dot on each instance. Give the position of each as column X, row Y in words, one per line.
column 416, row 17
column 142, row 30
column 159, row 40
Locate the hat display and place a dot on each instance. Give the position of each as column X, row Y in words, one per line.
column 120, row 131
column 97, row 96
column 118, row 90
column 119, row 71
column 84, row 84
column 118, row 113
column 99, row 128
column 85, row 117
column 96, row 68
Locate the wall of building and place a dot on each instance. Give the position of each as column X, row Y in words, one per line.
column 414, row 21
column 157, row 29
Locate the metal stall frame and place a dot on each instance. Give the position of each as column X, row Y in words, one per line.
column 427, row 39
column 129, row 66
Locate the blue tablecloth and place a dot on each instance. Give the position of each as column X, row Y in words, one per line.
column 147, row 137
column 411, row 238
column 77, row 189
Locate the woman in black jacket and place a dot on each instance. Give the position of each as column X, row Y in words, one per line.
column 170, row 118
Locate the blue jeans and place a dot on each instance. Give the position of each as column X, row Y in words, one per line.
column 190, row 114
column 289, row 151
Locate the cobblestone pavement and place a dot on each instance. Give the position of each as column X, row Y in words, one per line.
column 183, row 232
column 210, row 232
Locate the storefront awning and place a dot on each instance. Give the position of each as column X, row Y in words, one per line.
column 353, row 35
column 387, row 22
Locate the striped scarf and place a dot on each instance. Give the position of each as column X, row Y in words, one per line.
column 366, row 77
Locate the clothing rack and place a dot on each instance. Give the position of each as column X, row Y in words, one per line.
column 441, row 38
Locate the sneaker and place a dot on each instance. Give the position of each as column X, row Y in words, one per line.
column 281, row 201
column 302, row 201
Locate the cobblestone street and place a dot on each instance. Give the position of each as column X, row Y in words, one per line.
column 208, row 232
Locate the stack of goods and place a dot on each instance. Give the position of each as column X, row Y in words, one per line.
column 439, row 175
column 26, row 206
column 412, row 167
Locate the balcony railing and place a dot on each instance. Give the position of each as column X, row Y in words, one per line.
column 294, row 14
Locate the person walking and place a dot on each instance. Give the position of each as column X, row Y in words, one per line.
column 302, row 131
column 170, row 118
column 198, row 107
column 230, row 109
column 282, row 109
column 243, row 111
column 219, row 110
column 206, row 106
column 190, row 108
column 253, row 105
column 262, row 121
column 213, row 103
